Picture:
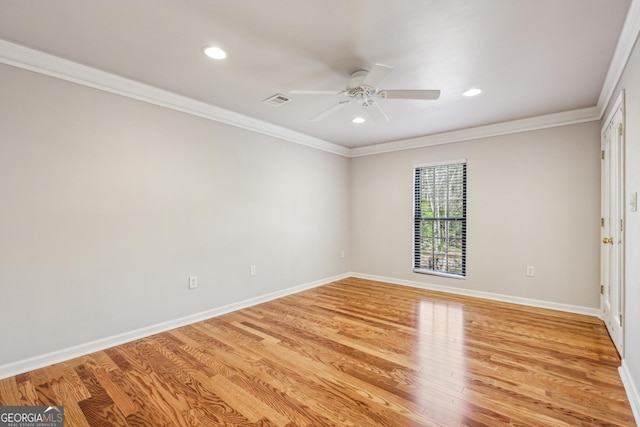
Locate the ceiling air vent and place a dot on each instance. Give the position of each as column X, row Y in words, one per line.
column 277, row 100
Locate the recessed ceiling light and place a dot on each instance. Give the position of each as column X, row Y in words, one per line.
column 358, row 120
column 473, row 92
column 214, row 52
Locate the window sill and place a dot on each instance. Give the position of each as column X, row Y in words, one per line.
column 438, row 273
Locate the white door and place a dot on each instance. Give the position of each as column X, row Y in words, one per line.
column 612, row 230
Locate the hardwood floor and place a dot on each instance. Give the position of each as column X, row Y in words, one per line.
column 351, row 353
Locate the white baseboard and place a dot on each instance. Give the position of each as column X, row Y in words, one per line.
column 589, row 311
column 58, row 356
column 41, row 361
column 633, row 393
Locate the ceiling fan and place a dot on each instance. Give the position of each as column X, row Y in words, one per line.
column 362, row 88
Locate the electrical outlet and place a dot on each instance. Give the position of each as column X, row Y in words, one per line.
column 253, row 271
column 531, row 271
column 193, row 282
column 342, row 253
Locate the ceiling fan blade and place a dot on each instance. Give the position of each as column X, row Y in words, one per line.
column 410, row 94
column 375, row 112
column 315, row 92
column 331, row 110
column 377, row 74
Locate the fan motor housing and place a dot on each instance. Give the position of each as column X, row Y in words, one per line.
column 356, row 79
column 355, row 88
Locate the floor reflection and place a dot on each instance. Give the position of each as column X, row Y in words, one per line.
column 441, row 344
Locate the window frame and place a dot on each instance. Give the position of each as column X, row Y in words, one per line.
column 417, row 199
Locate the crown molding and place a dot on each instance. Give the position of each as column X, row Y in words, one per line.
column 53, row 66
column 516, row 126
column 624, row 48
column 43, row 63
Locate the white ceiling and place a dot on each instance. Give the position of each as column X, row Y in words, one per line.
column 530, row 57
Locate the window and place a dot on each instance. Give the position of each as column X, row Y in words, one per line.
column 440, row 219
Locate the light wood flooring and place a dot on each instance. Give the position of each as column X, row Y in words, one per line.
column 351, row 353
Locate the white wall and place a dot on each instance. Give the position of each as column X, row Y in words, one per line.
column 109, row 204
column 630, row 83
column 533, row 199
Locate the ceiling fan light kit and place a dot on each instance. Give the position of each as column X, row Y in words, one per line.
column 362, row 88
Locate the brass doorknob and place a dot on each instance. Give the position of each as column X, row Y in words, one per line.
column 608, row 240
